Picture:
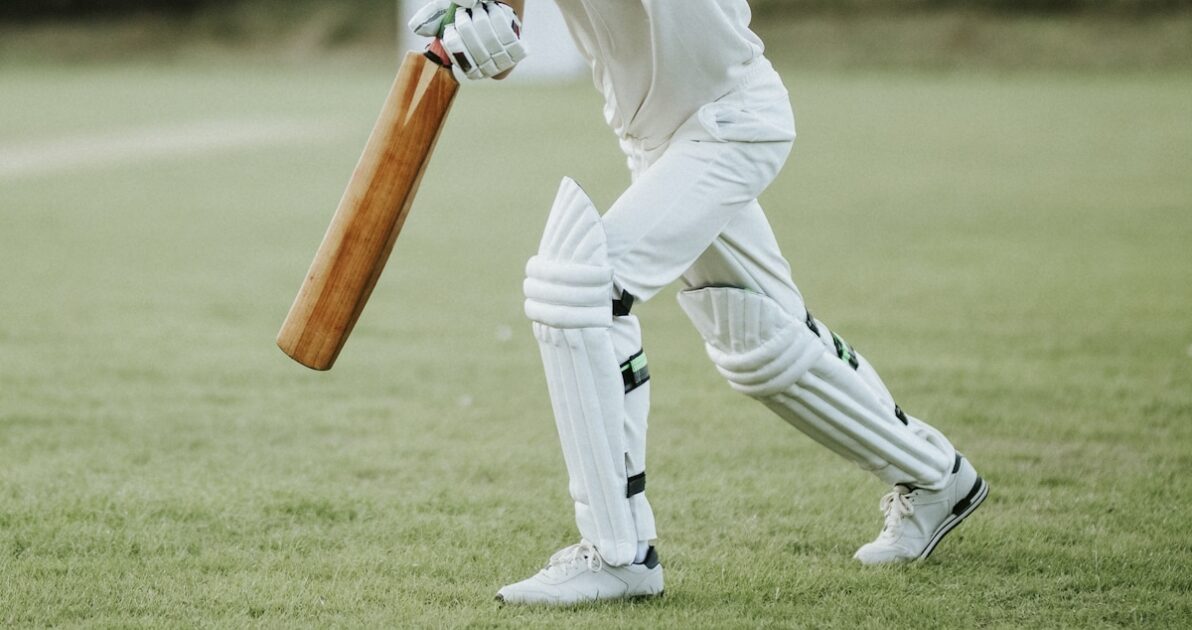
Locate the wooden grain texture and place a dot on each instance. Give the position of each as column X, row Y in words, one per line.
column 370, row 214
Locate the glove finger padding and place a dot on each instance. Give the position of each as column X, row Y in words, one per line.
column 480, row 30
column 454, row 44
column 481, row 53
column 507, row 28
column 428, row 21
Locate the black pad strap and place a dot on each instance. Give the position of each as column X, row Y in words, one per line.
column 635, row 371
column 637, row 484
column 651, row 560
column 901, row 415
column 845, row 351
column 811, row 324
column 623, row 304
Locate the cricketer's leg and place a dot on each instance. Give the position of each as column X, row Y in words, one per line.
column 598, row 380
column 683, row 195
column 761, row 337
column 814, row 380
column 570, row 298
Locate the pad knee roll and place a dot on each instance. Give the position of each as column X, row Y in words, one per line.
column 569, row 283
column 767, row 353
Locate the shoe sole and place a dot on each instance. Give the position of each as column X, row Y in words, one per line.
column 975, row 498
column 629, row 598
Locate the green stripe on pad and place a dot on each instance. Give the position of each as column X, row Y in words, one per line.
column 845, row 351
column 635, row 371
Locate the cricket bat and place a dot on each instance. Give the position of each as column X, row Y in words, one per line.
column 370, row 214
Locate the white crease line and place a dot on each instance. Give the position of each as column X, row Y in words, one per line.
column 149, row 143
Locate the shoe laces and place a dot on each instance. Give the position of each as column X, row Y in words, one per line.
column 574, row 556
column 896, row 505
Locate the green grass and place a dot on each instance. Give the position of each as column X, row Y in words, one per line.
column 1010, row 249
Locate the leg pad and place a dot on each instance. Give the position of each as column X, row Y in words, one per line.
column 782, row 361
column 569, row 293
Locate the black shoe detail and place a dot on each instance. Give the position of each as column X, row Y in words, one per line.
column 956, row 466
column 974, row 500
column 901, row 415
column 964, row 503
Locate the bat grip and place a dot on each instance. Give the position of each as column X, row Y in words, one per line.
column 435, row 52
column 448, row 18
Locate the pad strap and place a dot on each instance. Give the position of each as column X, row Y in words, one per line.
column 623, row 304
column 843, row 350
column 635, row 371
column 636, row 485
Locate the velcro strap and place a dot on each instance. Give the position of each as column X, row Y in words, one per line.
column 623, row 304
column 845, row 351
column 811, row 324
column 636, row 485
column 635, row 371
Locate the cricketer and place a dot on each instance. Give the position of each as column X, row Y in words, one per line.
column 705, row 124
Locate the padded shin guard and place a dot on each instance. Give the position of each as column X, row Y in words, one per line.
column 569, row 292
column 766, row 353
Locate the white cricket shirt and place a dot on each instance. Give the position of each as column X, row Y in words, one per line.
column 658, row 61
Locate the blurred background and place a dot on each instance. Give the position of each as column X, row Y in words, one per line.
column 1018, row 33
column 990, row 198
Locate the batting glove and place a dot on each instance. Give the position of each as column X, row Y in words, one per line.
column 482, row 36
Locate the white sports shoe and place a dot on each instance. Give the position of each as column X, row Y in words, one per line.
column 916, row 519
column 578, row 574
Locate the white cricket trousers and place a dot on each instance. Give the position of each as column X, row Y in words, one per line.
column 692, row 211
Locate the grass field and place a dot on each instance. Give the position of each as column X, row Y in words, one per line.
column 1012, row 250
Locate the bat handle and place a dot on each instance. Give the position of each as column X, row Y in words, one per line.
column 436, row 53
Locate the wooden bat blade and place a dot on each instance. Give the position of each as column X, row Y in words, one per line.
column 370, row 214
